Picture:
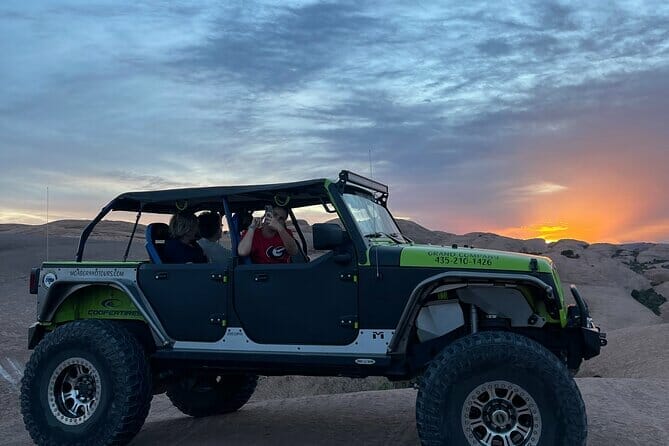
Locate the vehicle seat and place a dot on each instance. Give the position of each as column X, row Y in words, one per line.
column 300, row 257
column 236, row 228
column 156, row 235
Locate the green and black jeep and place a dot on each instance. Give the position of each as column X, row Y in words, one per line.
column 486, row 335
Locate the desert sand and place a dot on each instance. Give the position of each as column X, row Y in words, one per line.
column 626, row 389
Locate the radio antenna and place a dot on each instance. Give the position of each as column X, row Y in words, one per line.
column 47, row 223
column 370, row 165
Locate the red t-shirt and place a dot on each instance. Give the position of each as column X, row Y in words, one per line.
column 268, row 250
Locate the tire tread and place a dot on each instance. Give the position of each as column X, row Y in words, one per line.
column 496, row 347
column 227, row 398
column 130, row 372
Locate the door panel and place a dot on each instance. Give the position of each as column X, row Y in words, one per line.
column 301, row 303
column 186, row 297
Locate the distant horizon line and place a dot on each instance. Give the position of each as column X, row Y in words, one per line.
column 548, row 243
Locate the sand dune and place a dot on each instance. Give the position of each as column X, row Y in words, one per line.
column 633, row 352
column 106, row 229
column 614, row 308
column 387, row 417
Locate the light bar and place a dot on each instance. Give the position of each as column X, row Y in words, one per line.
column 354, row 178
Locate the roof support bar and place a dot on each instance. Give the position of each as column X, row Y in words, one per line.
column 88, row 229
column 132, row 235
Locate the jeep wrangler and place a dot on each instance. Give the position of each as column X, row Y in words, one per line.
column 485, row 335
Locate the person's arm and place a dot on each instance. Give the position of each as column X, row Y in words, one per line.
column 288, row 241
column 245, row 245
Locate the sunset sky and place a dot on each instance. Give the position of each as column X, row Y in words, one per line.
column 528, row 119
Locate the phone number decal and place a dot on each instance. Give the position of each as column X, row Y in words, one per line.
column 464, row 259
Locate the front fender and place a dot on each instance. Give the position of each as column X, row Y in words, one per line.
column 453, row 279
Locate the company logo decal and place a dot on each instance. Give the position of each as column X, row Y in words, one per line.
column 464, row 258
column 114, row 313
column 49, row 279
column 97, row 272
column 113, row 308
column 110, row 303
column 378, row 335
column 275, row 252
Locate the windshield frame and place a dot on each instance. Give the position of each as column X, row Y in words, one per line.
column 373, row 221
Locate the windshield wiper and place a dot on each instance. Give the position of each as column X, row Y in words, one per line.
column 402, row 236
column 392, row 237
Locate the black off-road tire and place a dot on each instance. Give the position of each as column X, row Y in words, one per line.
column 119, row 364
column 205, row 395
column 486, row 358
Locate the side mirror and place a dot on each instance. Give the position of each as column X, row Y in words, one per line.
column 328, row 236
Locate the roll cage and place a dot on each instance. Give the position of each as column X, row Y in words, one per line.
column 234, row 202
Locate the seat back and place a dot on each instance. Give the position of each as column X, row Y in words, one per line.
column 238, row 220
column 300, row 257
column 156, row 235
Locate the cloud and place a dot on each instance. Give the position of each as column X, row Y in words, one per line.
column 494, row 47
column 465, row 107
column 556, row 16
column 537, row 189
column 274, row 47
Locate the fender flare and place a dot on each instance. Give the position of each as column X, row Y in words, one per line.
column 398, row 344
column 64, row 288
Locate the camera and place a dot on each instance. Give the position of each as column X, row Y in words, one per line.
column 268, row 214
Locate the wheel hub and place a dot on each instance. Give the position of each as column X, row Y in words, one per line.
column 85, row 388
column 500, row 413
column 501, row 419
column 74, row 391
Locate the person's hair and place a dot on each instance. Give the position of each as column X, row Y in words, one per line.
column 181, row 224
column 210, row 224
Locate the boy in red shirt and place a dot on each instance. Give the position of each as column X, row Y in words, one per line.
column 273, row 243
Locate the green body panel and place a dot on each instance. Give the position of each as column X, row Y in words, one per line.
column 485, row 259
column 97, row 302
column 332, row 201
column 560, row 294
column 468, row 258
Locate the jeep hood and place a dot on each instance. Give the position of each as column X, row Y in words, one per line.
column 469, row 258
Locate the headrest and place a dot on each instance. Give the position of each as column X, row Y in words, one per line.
column 157, row 231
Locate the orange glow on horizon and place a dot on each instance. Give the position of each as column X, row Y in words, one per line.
column 552, row 233
column 611, row 193
column 548, row 233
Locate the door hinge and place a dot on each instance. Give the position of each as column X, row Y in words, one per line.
column 349, row 322
column 218, row 320
column 348, row 277
column 219, row 277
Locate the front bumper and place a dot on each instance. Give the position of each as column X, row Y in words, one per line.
column 592, row 338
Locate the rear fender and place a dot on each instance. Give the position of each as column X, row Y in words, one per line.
column 118, row 300
column 96, row 302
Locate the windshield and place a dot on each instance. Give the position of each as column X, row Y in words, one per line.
column 373, row 220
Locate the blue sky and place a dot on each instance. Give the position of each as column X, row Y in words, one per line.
column 501, row 116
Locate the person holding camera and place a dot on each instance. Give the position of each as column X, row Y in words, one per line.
column 267, row 240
